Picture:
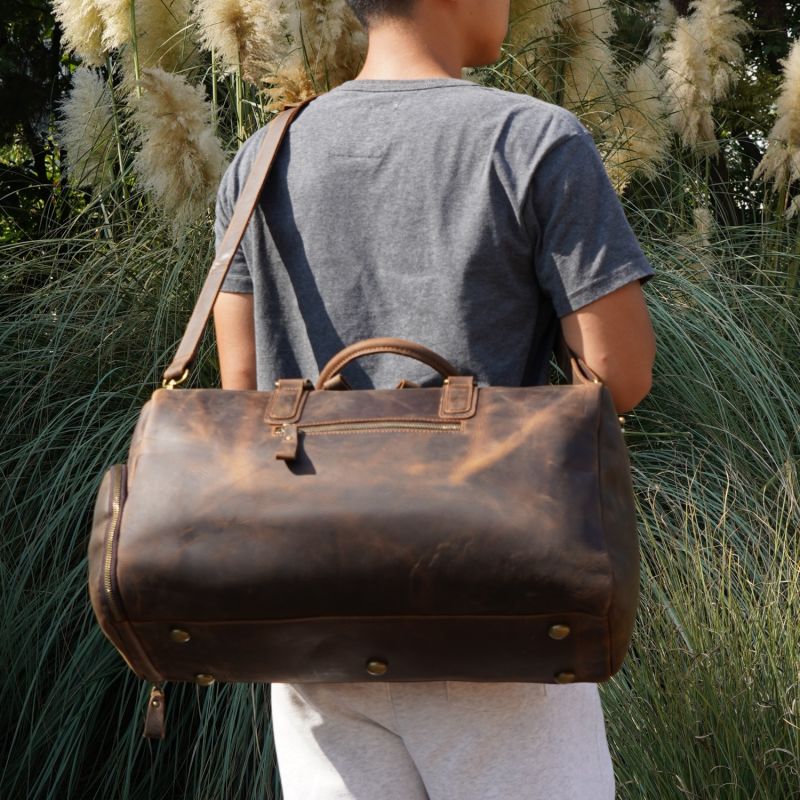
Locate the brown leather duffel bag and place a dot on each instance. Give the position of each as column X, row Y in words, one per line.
column 316, row 533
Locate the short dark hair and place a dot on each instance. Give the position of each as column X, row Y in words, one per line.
column 367, row 10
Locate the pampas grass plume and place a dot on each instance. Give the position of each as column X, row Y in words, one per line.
column 638, row 133
column 721, row 29
column 180, row 160
column 665, row 17
column 327, row 47
column 86, row 131
column 781, row 162
column 244, row 33
column 533, row 19
column 163, row 35
column 590, row 74
column 590, row 81
column 116, row 16
column 689, row 84
column 700, row 64
column 588, row 19
column 83, row 29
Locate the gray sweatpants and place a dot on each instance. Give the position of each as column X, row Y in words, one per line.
column 441, row 741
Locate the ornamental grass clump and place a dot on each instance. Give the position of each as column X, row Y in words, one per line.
column 706, row 703
column 86, row 131
column 180, row 160
column 781, row 162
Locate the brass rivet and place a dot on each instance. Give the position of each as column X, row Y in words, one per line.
column 154, row 703
column 377, row 667
column 565, row 677
column 180, row 636
column 558, row 631
column 204, row 680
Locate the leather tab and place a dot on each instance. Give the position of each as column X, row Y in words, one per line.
column 337, row 383
column 459, row 397
column 407, row 384
column 287, row 450
column 286, row 403
column 154, row 727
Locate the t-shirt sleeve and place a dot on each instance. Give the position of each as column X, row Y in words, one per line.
column 585, row 247
column 238, row 278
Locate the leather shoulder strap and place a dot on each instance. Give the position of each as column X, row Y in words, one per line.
column 242, row 213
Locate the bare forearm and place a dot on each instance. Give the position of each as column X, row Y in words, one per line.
column 235, row 331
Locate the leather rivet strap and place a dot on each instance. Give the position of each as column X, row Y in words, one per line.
column 242, row 212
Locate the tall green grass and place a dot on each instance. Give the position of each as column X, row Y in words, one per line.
column 706, row 705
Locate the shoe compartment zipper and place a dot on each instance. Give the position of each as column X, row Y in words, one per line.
column 111, row 537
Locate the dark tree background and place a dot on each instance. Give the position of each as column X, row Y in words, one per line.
column 34, row 74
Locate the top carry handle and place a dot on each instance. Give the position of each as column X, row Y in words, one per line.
column 178, row 370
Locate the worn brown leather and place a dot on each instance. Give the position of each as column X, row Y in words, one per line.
column 301, row 533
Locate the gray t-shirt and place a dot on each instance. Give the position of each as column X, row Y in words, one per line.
column 465, row 218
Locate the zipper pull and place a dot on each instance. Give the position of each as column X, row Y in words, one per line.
column 287, row 451
column 154, row 718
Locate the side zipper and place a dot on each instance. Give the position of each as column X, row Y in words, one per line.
column 111, row 538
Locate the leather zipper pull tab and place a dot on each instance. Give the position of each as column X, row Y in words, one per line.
column 287, row 451
column 154, row 718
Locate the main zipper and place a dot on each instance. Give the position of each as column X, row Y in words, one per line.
column 375, row 425
column 116, row 508
column 290, row 433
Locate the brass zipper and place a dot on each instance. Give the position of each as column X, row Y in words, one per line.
column 116, row 509
column 290, row 433
column 382, row 425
